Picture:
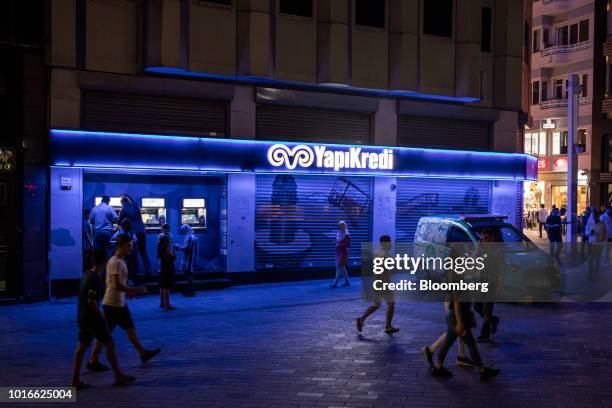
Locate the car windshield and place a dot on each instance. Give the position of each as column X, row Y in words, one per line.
column 509, row 234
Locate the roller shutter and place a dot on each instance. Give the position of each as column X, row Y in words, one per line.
column 121, row 112
column 442, row 133
column 297, row 217
column 420, row 197
column 314, row 125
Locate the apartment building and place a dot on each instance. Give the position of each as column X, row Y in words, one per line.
column 567, row 38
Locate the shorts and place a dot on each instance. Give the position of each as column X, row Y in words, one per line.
column 118, row 316
column 383, row 295
column 95, row 328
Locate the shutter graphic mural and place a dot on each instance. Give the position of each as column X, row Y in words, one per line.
column 421, row 197
column 297, row 219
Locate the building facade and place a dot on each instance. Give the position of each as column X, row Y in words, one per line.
column 567, row 38
column 141, row 93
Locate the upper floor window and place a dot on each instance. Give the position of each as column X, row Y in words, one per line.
column 559, row 89
column 536, row 41
column 535, row 143
column 535, row 94
column 486, row 29
column 370, row 13
column 584, row 85
column 437, row 17
column 302, row 8
column 573, row 33
column 544, row 91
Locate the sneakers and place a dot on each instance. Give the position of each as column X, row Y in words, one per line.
column 489, row 373
column 391, row 330
column 428, row 354
column 442, row 373
column 347, row 284
column 97, row 366
column 464, row 362
column 149, row 354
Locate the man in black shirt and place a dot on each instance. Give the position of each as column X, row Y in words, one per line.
column 92, row 325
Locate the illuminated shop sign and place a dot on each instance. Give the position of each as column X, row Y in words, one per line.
column 542, row 164
column 281, row 155
column 549, row 124
column 140, row 152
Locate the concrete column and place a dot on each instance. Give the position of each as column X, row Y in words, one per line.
column 66, row 209
column 241, row 188
column 384, row 200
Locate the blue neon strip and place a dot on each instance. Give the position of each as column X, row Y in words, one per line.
column 106, row 150
column 267, row 82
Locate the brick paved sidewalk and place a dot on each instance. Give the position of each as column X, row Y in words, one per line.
column 295, row 344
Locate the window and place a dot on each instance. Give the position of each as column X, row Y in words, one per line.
column 535, row 94
column 437, row 17
column 369, row 13
column 527, row 148
column 486, row 28
column 558, row 89
column 302, row 8
column 457, row 235
column 544, row 91
column 573, row 34
column 556, row 143
column 581, row 142
column 563, row 36
column 536, row 41
column 585, row 85
column 583, row 31
column 563, row 147
column 542, row 144
column 546, row 37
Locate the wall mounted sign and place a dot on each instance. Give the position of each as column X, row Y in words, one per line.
column 549, row 124
column 542, row 164
column 123, row 151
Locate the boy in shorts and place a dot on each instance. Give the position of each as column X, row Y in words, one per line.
column 92, row 325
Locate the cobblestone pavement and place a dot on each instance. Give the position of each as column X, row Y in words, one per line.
column 295, row 344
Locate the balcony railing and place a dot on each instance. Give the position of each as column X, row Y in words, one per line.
column 565, row 48
column 550, row 1
column 560, row 103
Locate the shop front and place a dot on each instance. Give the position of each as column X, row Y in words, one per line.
column 260, row 205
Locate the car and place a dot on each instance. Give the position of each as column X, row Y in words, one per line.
column 530, row 274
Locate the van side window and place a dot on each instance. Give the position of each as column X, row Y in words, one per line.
column 457, row 235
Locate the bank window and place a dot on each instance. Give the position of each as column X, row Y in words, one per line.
column 563, row 35
column 556, row 143
column 486, row 29
column 583, row 31
column 544, row 91
column 536, row 41
column 302, row 8
column 437, row 17
column 535, row 94
column 370, row 13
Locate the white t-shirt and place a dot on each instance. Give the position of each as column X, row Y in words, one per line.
column 114, row 297
column 542, row 215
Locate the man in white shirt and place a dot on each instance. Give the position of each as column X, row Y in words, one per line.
column 542, row 215
column 102, row 217
column 116, row 310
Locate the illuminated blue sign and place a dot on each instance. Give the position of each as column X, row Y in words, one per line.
column 107, row 150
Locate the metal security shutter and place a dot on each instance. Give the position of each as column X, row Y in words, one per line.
column 420, row 197
column 442, row 133
column 518, row 223
column 120, row 112
column 297, row 218
column 314, row 125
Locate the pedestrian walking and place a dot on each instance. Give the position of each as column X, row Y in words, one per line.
column 131, row 210
column 189, row 248
column 132, row 259
column 343, row 241
column 542, row 215
column 87, row 240
column 606, row 219
column 92, row 325
column 493, row 274
column 166, row 275
column 584, row 239
column 429, row 351
column 380, row 295
column 597, row 241
column 554, row 232
column 103, row 216
column 116, row 310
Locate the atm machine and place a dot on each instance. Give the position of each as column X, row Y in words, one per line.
column 115, row 202
column 193, row 213
column 153, row 213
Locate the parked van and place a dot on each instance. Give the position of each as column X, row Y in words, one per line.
column 529, row 271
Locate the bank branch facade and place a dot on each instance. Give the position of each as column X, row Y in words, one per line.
column 259, row 205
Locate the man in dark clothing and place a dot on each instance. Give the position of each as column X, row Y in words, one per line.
column 92, row 325
column 131, row 211
column 554, row 231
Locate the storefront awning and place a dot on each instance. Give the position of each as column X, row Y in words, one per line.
column 123, row 151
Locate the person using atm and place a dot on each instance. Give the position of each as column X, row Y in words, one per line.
column 130, row 210
column 102, row 217
column 189, row 248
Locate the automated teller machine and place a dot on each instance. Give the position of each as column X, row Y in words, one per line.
column 153, row 212
column 193, row 213
column 115, row 202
